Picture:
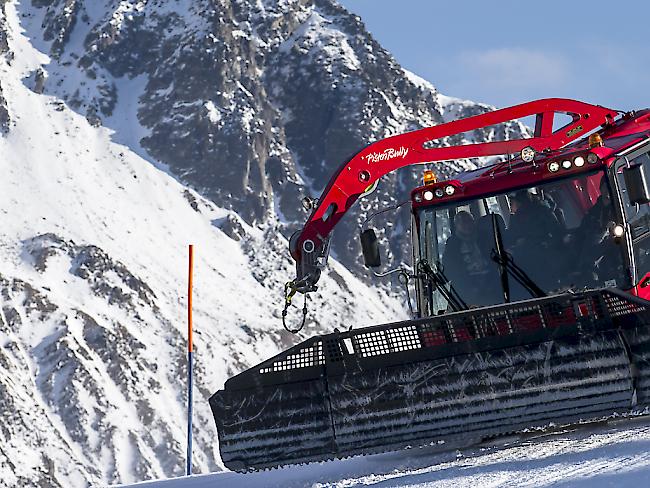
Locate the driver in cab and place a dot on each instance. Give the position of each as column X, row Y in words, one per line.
column 464, row 264
column 534, row 235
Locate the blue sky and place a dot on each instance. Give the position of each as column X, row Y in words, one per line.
column 505, row 52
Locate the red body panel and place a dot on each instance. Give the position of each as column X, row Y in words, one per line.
column 642, row 290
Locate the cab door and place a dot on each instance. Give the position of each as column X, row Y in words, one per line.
column 637, row 218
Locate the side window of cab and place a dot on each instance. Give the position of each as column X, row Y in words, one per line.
column 636, row 214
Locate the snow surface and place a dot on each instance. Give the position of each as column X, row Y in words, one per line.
column 615, row 455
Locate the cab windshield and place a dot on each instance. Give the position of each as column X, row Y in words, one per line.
column 559, row 235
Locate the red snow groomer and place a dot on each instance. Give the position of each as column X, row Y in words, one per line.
column 531, row 277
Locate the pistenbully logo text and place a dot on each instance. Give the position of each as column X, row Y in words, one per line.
column 386, row 155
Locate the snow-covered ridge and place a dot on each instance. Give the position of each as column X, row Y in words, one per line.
column 451, row 108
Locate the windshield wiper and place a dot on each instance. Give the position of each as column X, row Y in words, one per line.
column 438, row 278
column 505, row 261
column 498, row 249
column 507, row 266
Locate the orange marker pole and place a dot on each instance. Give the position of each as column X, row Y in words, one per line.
column 190, row 346
column 190, row 350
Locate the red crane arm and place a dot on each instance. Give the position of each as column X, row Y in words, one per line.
column 309, row 247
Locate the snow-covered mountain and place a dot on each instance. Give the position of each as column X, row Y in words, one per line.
column 252, row 103
column 130, row 129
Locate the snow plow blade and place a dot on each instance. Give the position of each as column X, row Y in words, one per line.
column 451, row 380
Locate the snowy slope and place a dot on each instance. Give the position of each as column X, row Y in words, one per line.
column 610, row 456
column 92, row 278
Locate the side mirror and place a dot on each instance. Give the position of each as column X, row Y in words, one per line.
column 370, row 248
column 636, row 184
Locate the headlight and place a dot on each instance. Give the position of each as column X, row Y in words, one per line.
column 615, row 230
column 528, row 154
column 450, row 190
column 428, row 195
column 566, row 164
column 579, row 161
column 440, row 193
column 553, row 166
column 417, row 197
column 592, row 158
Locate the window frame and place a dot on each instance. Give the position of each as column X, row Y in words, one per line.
column 625, row 160
column 614, row 190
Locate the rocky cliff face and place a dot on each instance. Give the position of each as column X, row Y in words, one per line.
column 132, row 127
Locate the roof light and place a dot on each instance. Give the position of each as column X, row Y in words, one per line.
column 566, row 164
column 592, row 158
column 428, row 195
column 450, row 190
column 528, row 154
column 554, row 166
column 430, row 177
column 579, row 161
column 440, row 193
column 595, row 140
